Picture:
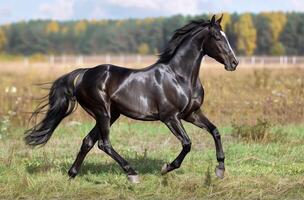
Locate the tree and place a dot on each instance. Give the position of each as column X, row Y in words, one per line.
column 264, row 40
column 80, row 27
column 292, row 36
column 277, row 21
column 52, row 27
column 246, row 34
column 143, row 49
column 170, row 25
column 274, row 33
column 277, row 49
column 225, row 21
column 3, row 39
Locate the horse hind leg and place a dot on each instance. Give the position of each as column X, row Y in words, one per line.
column 87, row 144
column 103, row 123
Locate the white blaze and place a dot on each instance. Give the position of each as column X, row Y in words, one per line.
column 223, row 34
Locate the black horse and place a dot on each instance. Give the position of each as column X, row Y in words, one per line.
column 169, row 90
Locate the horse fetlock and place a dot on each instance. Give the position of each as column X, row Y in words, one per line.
column 169, row 167
column 129, row 170
column 220, row 158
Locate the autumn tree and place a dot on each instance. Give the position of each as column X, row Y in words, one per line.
column 143, row 49
column 277, row 22
column 292, row 36
column 3, row 39
column 277, row 49
column 80, row 27
column 264, row 40
column 52, row 27
column 273, row 33
column 226, row 20
column 246, row 34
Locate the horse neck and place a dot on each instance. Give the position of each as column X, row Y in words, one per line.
column 187, row 60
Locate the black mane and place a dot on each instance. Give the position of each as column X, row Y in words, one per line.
column 178, row 37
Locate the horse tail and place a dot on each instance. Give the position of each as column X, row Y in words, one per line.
column 61, row 102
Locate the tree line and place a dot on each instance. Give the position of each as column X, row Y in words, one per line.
column 267, row 33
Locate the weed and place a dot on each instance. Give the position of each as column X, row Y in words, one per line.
column 4, row 126
column 260, row 132
column 208, row 180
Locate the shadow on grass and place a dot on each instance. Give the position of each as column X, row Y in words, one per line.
column 143, row 165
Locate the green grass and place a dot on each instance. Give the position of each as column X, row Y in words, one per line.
column 272, row 170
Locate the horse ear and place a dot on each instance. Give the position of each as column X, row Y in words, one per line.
column 212, row 22
column 220, row 19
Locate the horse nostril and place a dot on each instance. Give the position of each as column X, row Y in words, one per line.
column 235, row 63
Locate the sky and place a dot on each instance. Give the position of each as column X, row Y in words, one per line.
column 20, row 10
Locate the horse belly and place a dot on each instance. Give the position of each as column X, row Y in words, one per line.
column 136, row 106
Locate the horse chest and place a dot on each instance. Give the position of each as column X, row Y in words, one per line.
column 193, row 105
column 187, row 98
column 195, row 100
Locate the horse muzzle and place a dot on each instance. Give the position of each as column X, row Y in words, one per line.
column 232, row 65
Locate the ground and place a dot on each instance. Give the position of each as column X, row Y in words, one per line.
column 271, row 169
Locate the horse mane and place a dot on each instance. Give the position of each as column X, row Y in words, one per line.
column 179, row 36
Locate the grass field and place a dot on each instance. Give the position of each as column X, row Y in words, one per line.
column 266, row 169
column 260, row 113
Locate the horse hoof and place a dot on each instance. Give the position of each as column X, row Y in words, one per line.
column 219, row 172
column 133, row 178
column 72, row 173
column 164, row 169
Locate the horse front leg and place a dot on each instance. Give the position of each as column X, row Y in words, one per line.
column 199, row 119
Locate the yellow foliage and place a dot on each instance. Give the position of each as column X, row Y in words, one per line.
column 2, row 39
column 52, row 27
column 277, row 21
column 143, row 48
column 103, row 22
column 64, row 30
column 277, row 49
column 148, row 20
column 225, row 21
column 38, row 57
column 246, row 41
column 80, row 27
column 139, row 22
column 119, row 23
